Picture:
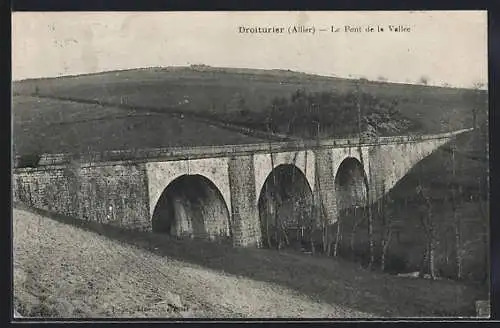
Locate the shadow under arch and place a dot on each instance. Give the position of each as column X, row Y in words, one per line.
column 351, row 193
column 191, row 206
column 285, row 207
column 351, row 184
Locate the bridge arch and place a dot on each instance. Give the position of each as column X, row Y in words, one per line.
column 351, row 184
column 302, row 160
column 285, row 206
column 161, row 174
column 192, row 206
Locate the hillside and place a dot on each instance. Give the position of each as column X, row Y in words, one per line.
column 70, row 268
column 218, row 92
column 42, row 125
column 403, row 210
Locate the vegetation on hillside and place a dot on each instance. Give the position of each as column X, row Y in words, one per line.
column 435, row 221
column 306, row 114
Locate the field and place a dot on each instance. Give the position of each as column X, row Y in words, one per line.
column 215, row 92
column 42, row 125
column 66, row 268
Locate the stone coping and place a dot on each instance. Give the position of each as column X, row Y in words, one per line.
column 115, row 157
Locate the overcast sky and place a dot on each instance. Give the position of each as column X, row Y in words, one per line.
column 448, row 47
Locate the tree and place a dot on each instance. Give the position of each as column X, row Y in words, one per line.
column 275, row 203
column 456, row 219
column 477, row 85
column 481, row 137
column 477, row 104
column 424, row 80
column 387, row 229
column 368, row 202
column 338, row 237
column 359, row 220
column 483, row 212
column 428, row 224
column 337, row 113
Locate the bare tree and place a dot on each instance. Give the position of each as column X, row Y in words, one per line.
column 456, row 219
column 327, row 245
column 370, row 233
column 476, row 86
column 357, row 223
column 482, row 197
column 310, row 215
column 483, row 212
column 324, row 221
column 267, row 214
column 387, row 230
column 426, row 219
column 368, row 202
column 424, row 80
column 338, row 237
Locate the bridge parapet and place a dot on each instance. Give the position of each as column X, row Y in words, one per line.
column 183, row 153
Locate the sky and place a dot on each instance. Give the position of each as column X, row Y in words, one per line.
column 447, row 47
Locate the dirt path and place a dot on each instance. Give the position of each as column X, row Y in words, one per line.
column 65, row 271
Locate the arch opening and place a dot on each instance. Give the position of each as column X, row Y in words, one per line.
column 191, row 206
column 351, row 193
column 285, row 208
column 351, row 186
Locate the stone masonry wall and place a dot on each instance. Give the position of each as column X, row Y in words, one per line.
column 119, row 194
column 325, row 187
column 245, row 217
column 52, row 190
column 115, row 195
column 390, row 163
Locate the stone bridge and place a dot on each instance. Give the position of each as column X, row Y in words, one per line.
column 225, row 191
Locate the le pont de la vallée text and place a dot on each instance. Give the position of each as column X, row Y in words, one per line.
column 296, row 29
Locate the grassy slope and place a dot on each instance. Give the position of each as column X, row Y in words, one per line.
column 212, row 90
column 53, row 126
column 64, row 271
column 435, row 173
column 326, row 281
